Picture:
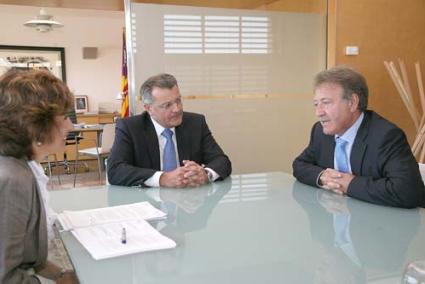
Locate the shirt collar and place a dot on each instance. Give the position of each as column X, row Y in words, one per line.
column 159, row 128
column 350, row 134
column 38, row 171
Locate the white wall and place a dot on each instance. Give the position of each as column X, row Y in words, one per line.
column 98, row 78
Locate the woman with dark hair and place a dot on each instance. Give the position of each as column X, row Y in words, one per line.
column 33, row 123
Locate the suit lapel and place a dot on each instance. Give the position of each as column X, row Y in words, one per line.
column 325, row 147
column 152, row 142
column 329, row 149
column 359, row 146
column 182, row 142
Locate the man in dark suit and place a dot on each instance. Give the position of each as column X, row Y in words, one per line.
column 379, row 166
column 143, row 154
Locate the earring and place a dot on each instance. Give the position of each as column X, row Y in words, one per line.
column 39, row 143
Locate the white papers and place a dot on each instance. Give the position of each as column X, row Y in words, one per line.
column 100, row 230
column 105, row 241
column 93, row 217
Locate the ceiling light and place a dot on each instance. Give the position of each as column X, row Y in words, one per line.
column 43, row 22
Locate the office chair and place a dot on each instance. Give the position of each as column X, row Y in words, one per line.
column 48, row 170
column 73, row 138
column 102, row 151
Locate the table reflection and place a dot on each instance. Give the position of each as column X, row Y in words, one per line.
column 360, row 241
column 188, row 210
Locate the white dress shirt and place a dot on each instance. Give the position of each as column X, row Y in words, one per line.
column 153, row 181
column 42, row 181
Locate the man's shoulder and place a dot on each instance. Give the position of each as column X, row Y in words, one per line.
column 378, row 122
column 379, row 130
column 191, row 119
column 132, row 121
column 193, row 115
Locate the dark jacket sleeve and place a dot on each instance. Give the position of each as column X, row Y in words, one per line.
column 121, row 164
column 212, row 155
column 390, row 174
column 305, row 166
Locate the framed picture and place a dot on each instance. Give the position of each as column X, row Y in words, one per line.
column 81, row 104
column 33, row 57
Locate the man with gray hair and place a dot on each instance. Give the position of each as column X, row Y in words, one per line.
column 354, row 151
column 165, row 146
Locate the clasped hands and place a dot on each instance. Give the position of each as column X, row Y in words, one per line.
column 335, row 181
column 189, row 175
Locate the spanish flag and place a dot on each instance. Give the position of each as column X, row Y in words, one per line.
column 124, row 81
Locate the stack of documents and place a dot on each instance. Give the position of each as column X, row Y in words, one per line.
column 100, row 230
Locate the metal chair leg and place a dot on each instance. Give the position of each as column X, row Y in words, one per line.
column 49, row 166
column 106, row 171
column 76, row 163
column 99, row 165
column 56, row 165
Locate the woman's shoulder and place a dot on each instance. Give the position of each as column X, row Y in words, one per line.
column 15, row 171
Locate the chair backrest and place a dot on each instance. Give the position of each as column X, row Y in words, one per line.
column 108, row 137
column 72, row 136
column 72, row 116
column 422, row 170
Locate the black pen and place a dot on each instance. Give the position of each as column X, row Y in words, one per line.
column 123, row 236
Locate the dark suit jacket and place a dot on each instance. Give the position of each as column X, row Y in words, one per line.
column 384, row 167
column 135, row 154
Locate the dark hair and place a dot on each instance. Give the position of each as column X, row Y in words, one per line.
column 29, row 103
column 349, row 79
column 163, row 81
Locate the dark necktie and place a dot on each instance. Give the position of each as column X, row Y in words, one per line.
column 169, row 161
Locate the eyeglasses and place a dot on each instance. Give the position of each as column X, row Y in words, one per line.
column 169, row 105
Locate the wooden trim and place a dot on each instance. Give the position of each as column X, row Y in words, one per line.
column 241, row 96
column 331, row 33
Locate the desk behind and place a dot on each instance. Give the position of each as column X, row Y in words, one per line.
column 257, row 228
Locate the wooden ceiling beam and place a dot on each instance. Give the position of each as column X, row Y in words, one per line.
column 118, row 5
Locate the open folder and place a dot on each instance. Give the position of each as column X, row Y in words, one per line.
column 100, row 230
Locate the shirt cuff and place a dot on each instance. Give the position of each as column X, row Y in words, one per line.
column 153, row 181
column 214, row 175
column 318, row 179
column 36, row 279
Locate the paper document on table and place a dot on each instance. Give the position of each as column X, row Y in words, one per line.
column 115, row 214
column 105, row 241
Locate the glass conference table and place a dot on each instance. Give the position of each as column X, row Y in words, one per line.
column 255, row 228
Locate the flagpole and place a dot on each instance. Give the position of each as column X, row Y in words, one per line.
column 132, row 92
